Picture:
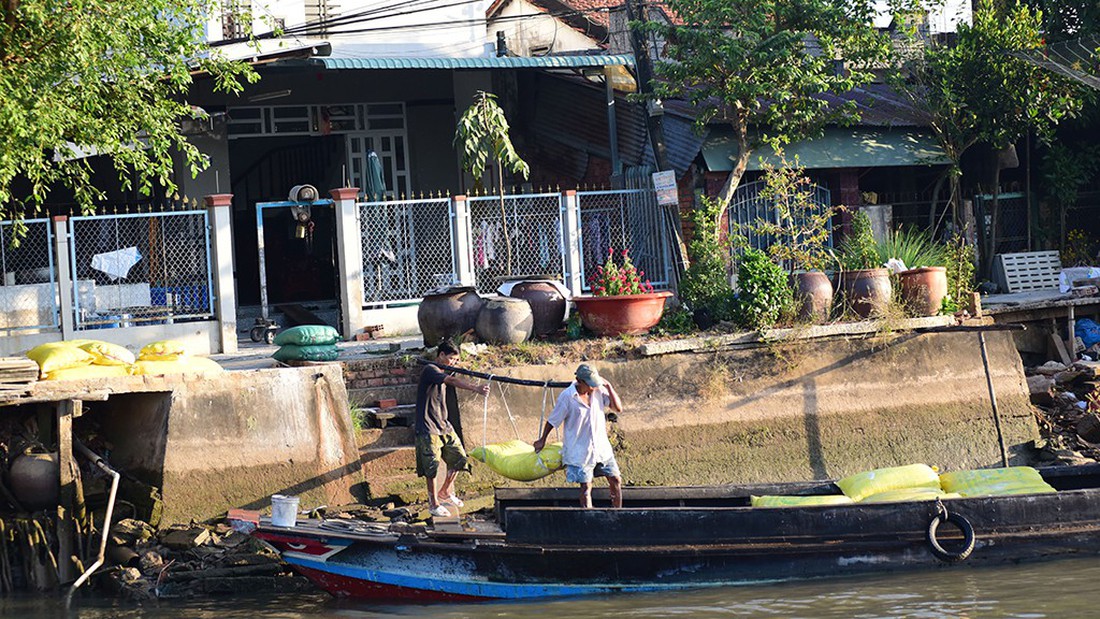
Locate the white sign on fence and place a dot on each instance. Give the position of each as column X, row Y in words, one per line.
column 664, row 183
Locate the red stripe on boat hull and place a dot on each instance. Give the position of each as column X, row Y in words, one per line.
column 346, row 586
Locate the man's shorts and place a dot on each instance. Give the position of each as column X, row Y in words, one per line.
column 584, row 474
column 431, row 448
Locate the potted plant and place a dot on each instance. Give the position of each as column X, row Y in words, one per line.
column 622, row 301
column 922, row 276
column 864, row 284
column 800, row 234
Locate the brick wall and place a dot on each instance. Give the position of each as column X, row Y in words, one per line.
column 384, row 372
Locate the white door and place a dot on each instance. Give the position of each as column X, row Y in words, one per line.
column 392, row 151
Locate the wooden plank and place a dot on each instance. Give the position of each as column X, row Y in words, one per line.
column 1060, row 349
column 66, row 410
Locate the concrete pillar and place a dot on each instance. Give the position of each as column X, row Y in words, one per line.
column 219, row 208
column 462, row 242
column 571, row 237
column 349, row 254
column 64, row 276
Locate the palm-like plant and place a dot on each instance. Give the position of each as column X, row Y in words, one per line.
column 913, row 247
column 482, row 136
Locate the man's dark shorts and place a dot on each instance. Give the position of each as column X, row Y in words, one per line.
column 431, row 448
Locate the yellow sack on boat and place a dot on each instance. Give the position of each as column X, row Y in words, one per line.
column 910, row 494
column 85, row 372
column 164, row 350
column 799, row 501
column 106, row 353
column 184, row 365
column 862, row 485
column 517, row 460
column 59, row 356
column 1000, row 481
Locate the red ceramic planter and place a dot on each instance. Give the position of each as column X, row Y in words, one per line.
column 631, row 314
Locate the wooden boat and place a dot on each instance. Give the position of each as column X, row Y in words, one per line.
column 668, row 538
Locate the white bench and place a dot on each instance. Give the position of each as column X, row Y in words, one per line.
column 1029, row 270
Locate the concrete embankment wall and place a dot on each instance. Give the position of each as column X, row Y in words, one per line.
column 233, row 440
column 810, row 409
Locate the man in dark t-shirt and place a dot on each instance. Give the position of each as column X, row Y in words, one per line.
column 435, row 436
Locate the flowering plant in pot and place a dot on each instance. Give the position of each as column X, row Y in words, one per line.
column 622, row 300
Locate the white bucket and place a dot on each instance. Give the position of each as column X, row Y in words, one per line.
column 284, row 510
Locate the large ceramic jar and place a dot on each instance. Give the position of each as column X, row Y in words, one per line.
column 448, row 312
column 923, row 289
column 867, row 291
column 547, row 304
column 505, row 320
column 35, row 480
column 630, row 314
column 814, row 295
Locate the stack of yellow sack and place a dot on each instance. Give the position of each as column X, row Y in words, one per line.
column 996, row 482
column 81, row 359
column 84, row 359
column 919, row 482
column 517, row 460
column 170, row 357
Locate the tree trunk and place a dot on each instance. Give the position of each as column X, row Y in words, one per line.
column 504, row 218
column 936, row 202
column 995, row 215
column 725, row 196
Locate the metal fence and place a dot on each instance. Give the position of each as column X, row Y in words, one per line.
column 407, row 248
column 628, row 219
column 29, row 295
column 140, row 268
column 748, row 208
column 1013, row 227
column 533, row 224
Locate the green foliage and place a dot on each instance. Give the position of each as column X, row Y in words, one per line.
column 1065, row 169
column 764, row 293
column 675, row 322
column 913, row 247
column 960, row 273
column 106, row 77
column 765, row 64
column 1080, row 249
column 801, row 230
column 706, row 284
column 482, row 138
column 859, row 250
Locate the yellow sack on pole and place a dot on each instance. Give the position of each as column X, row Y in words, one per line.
column 517, row 460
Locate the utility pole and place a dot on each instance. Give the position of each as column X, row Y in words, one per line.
column 655, row 112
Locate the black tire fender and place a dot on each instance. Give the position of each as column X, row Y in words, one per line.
column 941, row 553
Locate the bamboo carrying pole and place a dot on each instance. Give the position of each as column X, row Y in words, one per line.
column 503, row 379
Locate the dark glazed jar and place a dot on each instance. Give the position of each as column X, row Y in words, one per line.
column 505, row 320
column 35, row 480
column 814, row 295
column 867, row 291
column 547, row 304
column 448, row 312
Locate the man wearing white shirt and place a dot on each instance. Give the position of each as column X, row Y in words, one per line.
column 586, row 452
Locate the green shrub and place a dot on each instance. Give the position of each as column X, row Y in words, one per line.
column 859, row 250
column 764, row 292
column 706, row 286
column 913, row 247
column 959, row 260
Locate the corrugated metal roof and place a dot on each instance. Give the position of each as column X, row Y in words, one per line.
column 486, row 62
column 853, row 147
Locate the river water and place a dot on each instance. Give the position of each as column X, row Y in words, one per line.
column 1062, row 589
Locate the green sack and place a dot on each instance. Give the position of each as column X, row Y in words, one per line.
column 308, row 335
column 291, row 352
